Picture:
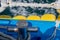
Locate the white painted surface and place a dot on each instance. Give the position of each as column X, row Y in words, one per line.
column 4, row 4
column 57, row 23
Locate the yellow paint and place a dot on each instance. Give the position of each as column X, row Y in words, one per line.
column 33, row 17
column 58, row 10
column 20, row 17
column 5, row 16
column 48, row 17
column 58, row 18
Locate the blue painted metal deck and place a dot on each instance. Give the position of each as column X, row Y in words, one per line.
column 46, row 28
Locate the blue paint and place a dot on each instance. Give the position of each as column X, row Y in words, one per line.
column 4, row 22
column 44, row 27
